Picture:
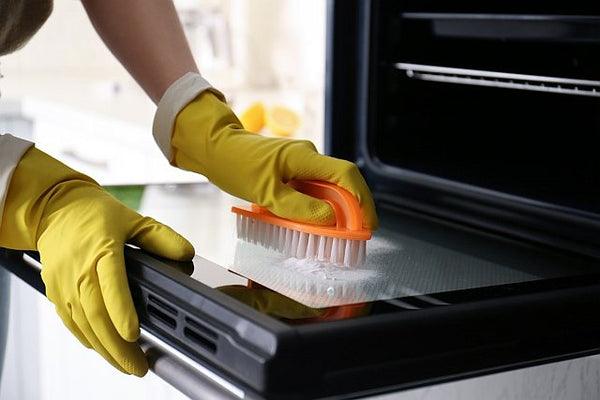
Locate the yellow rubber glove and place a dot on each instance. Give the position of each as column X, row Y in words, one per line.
column 80, row 231
column 209, row 139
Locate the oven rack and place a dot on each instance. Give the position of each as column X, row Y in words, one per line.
column 578, row 87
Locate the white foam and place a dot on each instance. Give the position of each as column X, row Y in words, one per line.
column 310, row 281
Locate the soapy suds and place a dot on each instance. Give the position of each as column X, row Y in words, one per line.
column 325, row 270
column 311, row 282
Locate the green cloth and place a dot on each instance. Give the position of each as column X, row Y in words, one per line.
column 131, row 196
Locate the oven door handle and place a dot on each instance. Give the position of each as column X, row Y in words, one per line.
column 186, row 375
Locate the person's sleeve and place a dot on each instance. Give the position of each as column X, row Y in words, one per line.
column 11, row 151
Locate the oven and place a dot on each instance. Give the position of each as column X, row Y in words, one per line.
column 483, row 113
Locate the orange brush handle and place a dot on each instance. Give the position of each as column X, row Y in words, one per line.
column 345, row 206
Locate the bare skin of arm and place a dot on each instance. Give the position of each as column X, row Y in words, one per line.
column 147, row 38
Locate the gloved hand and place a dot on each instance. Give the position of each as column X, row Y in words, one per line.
column 209, row 139
column 80, row 231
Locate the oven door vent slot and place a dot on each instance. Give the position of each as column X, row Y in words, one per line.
column 161, row 311
column 201, row 335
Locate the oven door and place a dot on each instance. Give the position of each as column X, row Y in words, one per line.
column 436, row 301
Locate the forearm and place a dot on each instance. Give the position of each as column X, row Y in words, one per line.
column 147, row 38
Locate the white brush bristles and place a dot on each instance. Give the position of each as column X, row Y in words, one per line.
column 346, row 252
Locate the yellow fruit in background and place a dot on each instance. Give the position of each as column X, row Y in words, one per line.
column 253, row 118
column 282, row 121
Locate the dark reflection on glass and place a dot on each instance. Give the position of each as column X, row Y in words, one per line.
column 281, row 307
column 183, row 267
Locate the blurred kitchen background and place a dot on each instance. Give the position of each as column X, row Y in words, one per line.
column 67, row 93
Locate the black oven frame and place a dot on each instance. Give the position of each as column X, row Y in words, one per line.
column 354, row 82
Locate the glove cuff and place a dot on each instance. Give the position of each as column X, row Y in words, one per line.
column 34, row 184
column 11, row 151
column 176, row 97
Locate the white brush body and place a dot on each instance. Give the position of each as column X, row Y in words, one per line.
column 292, row 243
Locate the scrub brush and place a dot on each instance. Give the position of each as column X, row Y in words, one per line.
column 343, row 243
